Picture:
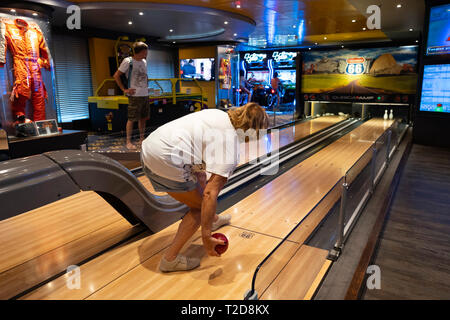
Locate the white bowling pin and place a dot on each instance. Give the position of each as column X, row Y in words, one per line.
column 391, row 115
column 385, row 115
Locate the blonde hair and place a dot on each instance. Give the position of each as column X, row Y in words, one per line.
column 250, row 116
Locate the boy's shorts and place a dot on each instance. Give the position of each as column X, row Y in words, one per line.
column 161, row 184
column 138, row 108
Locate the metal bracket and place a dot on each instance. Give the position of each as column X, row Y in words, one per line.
column 251, row 295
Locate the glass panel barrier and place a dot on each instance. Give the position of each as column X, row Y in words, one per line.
column 272, row 266
column 382, row 147
column 358, row 184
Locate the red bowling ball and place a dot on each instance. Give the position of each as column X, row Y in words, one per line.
column 221, row 248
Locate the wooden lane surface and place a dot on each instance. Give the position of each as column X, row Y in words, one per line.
column 43, row 242
column 287, row 136
column 278, row 206
column 131, row 271
column 298, row 276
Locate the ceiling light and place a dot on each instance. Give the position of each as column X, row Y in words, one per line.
column 226, row 22
column 411, row 29
column 130, row 22
column 141, row 13
column 364, row 28
column 315, row 43
column 238, row 4
column 294, row 26
column 235, row 34
column 342, row 46
column 353, row 20
column 399, row 6
column 13, row 10
column 171, row 30
column 174, row 42
column 324, row 38
column 309, row 48
column 417, row 40
column 35, row 14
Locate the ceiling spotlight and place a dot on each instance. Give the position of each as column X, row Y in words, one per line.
column 309, row 48
column 411, row 29
column 342, row 46
column 315, row 43
column 294, row 26
column 399, row 6
column 226, row 22
column 130, row 22
column 174, row 42
column 417, row 40
column 13, row 10
column 35, row 14
column 353, row 20
column 171, row 30
column 364, row 28
column 325, row 38
column 238, row 4
column 235, row 34
column 141, row 13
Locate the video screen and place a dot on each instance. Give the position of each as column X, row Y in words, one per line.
column 439, row 31
column 436, row 88
column 200, row 69
column 259, row 76
column 287, row 76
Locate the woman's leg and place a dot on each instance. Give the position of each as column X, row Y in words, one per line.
column 190, row 223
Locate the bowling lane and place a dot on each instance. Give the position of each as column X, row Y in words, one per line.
column 278, row 206
column 131, row 271
column 288, row 135
column 43, row 242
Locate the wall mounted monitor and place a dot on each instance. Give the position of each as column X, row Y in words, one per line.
column 439, row 31
column 436, row 88
column 200, row 69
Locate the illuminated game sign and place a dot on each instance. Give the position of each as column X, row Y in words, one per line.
column 284, row 59
column 255, row 57
column 355, row 66
column 439, row 31
column 283, row 56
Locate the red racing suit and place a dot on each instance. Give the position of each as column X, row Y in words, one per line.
column 30, row 53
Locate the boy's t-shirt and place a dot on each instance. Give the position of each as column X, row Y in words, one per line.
column 139, row 77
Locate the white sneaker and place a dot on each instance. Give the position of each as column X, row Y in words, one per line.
column 223, row 220
column 181, row 263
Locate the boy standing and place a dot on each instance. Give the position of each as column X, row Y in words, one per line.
column 139, row 104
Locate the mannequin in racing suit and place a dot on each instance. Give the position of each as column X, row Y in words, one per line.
column 30, row 53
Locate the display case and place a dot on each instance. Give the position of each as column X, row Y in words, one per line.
column 26, row 72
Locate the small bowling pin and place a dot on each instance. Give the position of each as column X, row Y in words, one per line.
column 391, row 115
column 385, row 115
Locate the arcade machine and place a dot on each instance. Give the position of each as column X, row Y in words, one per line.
column 373, row 82
column 284, row 63
column 432, row 120
column 256, row 71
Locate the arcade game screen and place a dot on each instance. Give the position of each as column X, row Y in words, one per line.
column 259, row 76
column 287, row 76
column 436, row 88
column 439, row 31
column 200, row 69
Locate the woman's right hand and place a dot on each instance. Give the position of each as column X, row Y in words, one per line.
column 210, row 244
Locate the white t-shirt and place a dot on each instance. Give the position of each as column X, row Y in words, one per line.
column 139, row 77
column 201, row 140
